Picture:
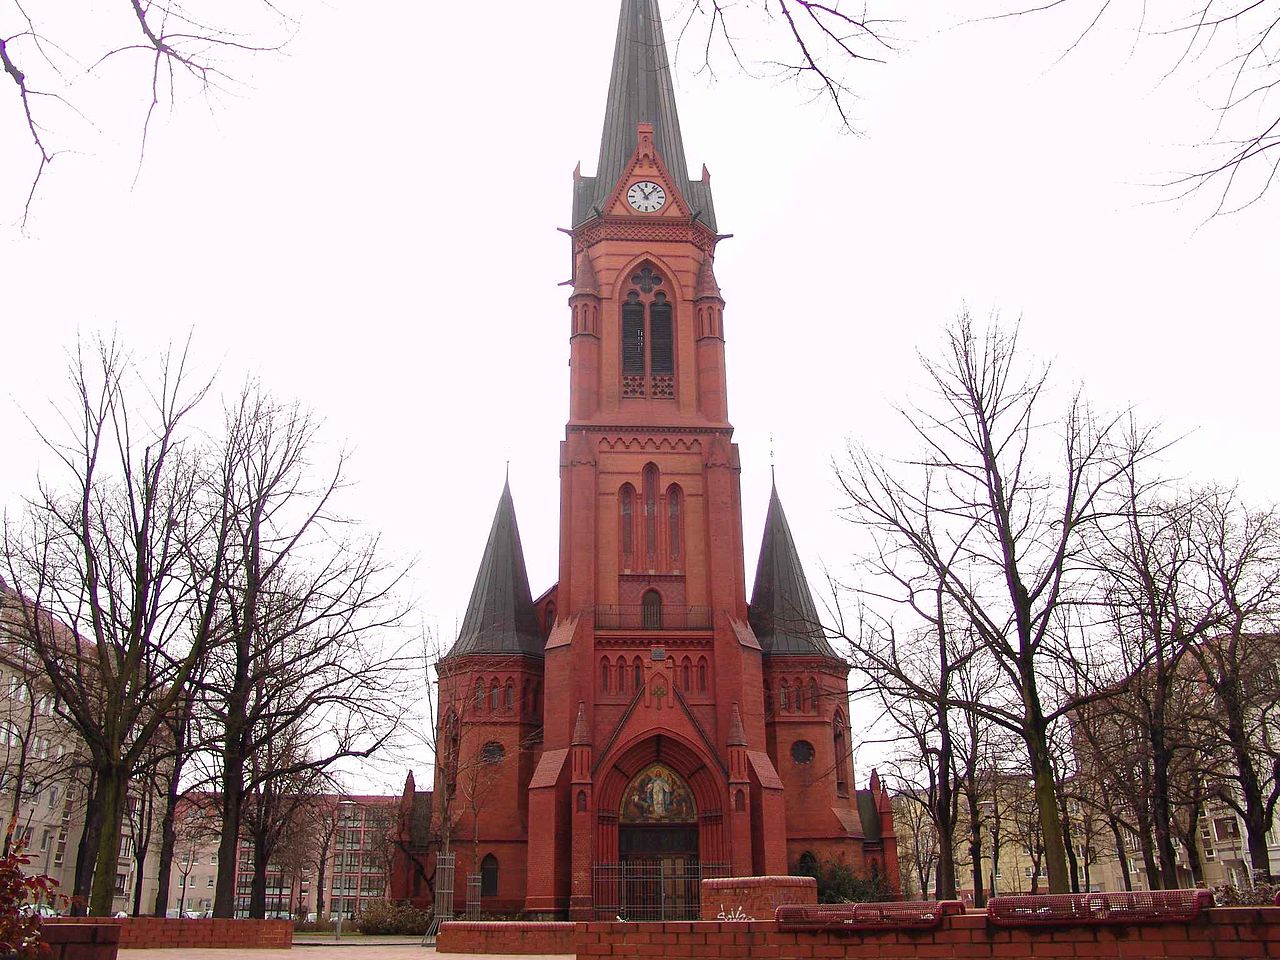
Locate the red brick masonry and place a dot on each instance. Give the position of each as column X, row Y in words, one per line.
column 141, row 933
column 754, row 898
column 67, row 941
column 489, row 937
column 1223, row 932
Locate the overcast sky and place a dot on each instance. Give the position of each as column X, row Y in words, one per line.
column 370, row 226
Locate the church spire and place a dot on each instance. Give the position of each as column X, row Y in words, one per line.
column 782, row 612
column 500, row 617
column 640, row 91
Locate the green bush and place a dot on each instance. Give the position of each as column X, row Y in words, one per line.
column 838, row 883
column 386, row 916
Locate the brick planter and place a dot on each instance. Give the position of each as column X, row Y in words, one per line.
column 460, row 936
column 142, row 933
column 88, row 941
column 755, row 898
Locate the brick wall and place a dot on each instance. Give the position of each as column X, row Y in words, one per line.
column 141, row 933
column 1230, row 932
column 490, row 937
column 754, row 898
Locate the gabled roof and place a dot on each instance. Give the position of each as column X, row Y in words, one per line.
column 501, row 617
column 640, row 91
column 782, row 611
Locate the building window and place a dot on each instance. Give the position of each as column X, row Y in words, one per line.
column 637, row 670
column 493, row 697
column 604, row 675
column 686, row 675
column 633, row 335
column 661, row 337
column 813, row 695
column 652, row 610
column 622, row 675
column 842, row 756
column 651, row 515
column 628, row 522
column 784, row 697
column 493, row 752
column 802, row 752
column 489, row 876
column 808, row 865
column 702, row 675
column 479, row 696
column 510, row 695
column 673, row 524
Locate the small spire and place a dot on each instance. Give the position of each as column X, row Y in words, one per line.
column 581, row 735
column 737, row 735
column 584, row 277
column 706, row 286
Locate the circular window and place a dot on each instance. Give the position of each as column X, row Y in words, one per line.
column 493, row 753
column 802, row 751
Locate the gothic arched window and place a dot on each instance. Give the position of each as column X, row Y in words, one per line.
column 509, row 698
column 627, row 521
column 784, row 697
column 489, row 876
column 604, row 675
column 686, row 675
column 622, row 675
column 840, row 737
column 673, row 524
column 493, row 697
column 633, row 335
column 813, row 695
column 651, row 607
column 702, row 675
column 651, row 516
column 637, row 669
column 479, row 695
column 661, row 337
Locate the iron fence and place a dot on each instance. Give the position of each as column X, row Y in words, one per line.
column 442, row 898
column 652, row 890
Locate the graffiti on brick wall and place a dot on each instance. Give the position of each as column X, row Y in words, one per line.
column 737, row 914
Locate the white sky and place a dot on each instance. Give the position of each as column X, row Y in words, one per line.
column 370, row 226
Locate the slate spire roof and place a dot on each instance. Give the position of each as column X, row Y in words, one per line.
column 782, row 612
column 501, row 617
column 640, row 91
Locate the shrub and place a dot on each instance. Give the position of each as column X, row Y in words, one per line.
column 838, row 883
column 1261, row 894
column 386, row 916
column 19, row 893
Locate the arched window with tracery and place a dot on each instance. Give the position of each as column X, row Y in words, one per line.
column 784, row 697
column 479, row 695
column 813, row 695
column 489, row 876
column 651, row 516
column 674, row 532
column 627, row 523
column 509, row 698
column 841, row 739
column 648, row 337
column 493, row 697
column 651, row 609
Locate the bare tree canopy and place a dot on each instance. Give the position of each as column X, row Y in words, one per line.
column 62, row 62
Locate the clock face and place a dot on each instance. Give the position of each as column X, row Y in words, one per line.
column 646, row 196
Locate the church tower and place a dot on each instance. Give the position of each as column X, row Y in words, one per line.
column 682, row 728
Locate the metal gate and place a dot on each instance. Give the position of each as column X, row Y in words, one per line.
column 666, row 888
column 442, row 897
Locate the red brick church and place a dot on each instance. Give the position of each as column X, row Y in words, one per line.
column 642, row 718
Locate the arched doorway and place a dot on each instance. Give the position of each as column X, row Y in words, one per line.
column 658, row 846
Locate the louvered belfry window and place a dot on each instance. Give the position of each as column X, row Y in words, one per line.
column 648, row 338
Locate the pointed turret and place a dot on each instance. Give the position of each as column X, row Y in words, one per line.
column 640, row 91
column 501, row 617
column 581, row 734
column 737, row 735
column 584, row 277
column 782, row 611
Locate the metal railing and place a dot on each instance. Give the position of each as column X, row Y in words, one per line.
column 651, row 890
column 637, row 616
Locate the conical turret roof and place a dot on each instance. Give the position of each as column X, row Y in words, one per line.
column 501, row 617
column 640, row 91
column 782, row 611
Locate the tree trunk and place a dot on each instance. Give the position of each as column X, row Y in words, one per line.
column 258, row 889
column 168, row 840
column 224, row 894
column 1161, row 810
column 113, row 781
column 944, row 818
column 1122, row 853
column 1255, row 808
column 1069, row 845
column 1046, row 792
column 975, row 847
column 1148, row 852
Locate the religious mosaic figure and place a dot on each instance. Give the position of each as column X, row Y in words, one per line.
column 658, row 795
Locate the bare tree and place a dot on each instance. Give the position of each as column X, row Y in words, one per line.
column 996, row 509
column 55, row 58
column 302, row 678
column 817, row 46
column 104, row 550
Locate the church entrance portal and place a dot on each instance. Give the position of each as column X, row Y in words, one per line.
column 659, row 873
